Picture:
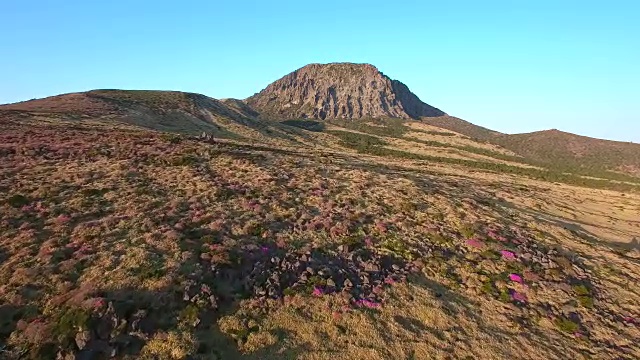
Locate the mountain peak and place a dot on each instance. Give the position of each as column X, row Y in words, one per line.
column 339, row 90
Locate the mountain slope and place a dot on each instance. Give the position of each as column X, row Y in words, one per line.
column 574, row 152
column 327, row 92
column 462, row 127
column 556, row 149
column 159, row 110
column 339, row 90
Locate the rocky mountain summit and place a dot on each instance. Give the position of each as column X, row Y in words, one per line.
column 339, row 90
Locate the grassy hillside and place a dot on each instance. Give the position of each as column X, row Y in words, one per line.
column 578, row 154
column 123, row 235
column 368, row 137
column 146, row 245
column 462, row 127
column 169, row 111
column 557, row 150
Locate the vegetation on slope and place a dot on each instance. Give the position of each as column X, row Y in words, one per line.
column 577, row 154
column 144, row 245
column 368, row 144
column 558, row 150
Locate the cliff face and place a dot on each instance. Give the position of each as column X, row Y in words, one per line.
column 340, row 90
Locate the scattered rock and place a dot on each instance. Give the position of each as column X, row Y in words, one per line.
column 82, row 338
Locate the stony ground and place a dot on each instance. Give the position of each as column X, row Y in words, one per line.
column 138, row 244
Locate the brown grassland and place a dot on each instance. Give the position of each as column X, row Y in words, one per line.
column 118, row 241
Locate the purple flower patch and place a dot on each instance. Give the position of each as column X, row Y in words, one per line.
column 368, row 242
column 368, row 304
column 506, row 254
column 516, row 296
column 317, row 291
column 63, row 219
column 516, row 278
column 475, row 243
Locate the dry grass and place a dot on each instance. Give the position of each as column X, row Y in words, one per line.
column 127, row 219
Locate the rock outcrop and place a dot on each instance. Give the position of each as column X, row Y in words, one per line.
column 339, row 90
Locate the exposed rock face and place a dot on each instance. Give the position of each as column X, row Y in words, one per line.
column 339, row 90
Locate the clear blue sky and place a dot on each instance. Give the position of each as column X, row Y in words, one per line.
column 513, row 66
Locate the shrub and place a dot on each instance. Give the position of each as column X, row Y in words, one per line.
column 566, row 325
column 586, row 301
column 581, row 290
column 467, row 231
column 171, row 345
column 360, row 142
column 184, row 160
column 171, row 138
column 439, row 133
column 18, row 201
column 67, row 324
column 189, row 316
column 398, row 248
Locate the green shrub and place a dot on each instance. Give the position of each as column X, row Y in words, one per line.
column 359, row 142
column 438, row 133
column 586, row 301
column 398, row 248
column 184, row 160
column 189, row 316
column 581, row 290
column 171, row 138
column 467, row 231
column 68, row 322
column 566, row 325
column 18, row 201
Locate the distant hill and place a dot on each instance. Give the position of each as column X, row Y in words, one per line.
column 462, row 127
column 332, row 92
column 557, row 149
column 159, row 110
column 574, row 152
column 339, row 91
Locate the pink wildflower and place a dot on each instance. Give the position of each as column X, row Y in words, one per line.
column 98, row 303
column 389, row 281
column 264, row 249
column 381, row 227
column 368, row 304
column 519, row 296
column 508, row 254
column 317, row 291
column 475, row 243
column 516, row 278
column 63, row 219
column 368, row 241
